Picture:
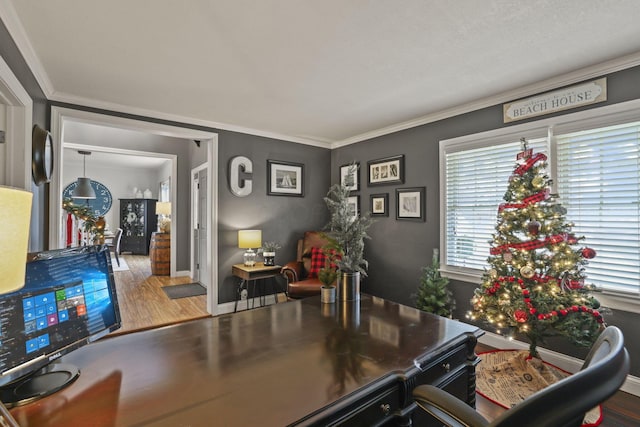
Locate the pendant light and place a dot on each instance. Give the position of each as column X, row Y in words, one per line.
column 83, row 189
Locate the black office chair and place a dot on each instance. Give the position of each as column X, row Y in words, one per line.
column 114, row 245
column 561, row 404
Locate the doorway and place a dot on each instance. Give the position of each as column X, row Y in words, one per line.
column 60, row 116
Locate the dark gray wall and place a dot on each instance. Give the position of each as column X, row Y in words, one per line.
column 399, row 249
column 282, row 219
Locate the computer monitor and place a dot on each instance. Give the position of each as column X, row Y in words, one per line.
column 69, row 300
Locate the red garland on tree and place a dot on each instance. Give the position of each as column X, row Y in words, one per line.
column 535, row 285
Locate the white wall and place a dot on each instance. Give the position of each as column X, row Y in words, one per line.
column 119, row 180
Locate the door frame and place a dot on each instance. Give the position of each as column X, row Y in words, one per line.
column 173, row 191
column 19, row 119
column 60, row 115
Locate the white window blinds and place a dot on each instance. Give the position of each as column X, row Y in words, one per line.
column 598, row 177
column 476, row 181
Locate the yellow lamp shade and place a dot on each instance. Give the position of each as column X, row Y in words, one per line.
column 163, row 208
column 15, row 216
column 248, row 239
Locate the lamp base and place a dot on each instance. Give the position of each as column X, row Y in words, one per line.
column 250, row 258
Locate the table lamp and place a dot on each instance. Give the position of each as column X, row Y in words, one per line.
column 163, row 210
column 15, row 214
column 248, row 239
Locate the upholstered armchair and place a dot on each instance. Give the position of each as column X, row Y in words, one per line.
column 302, row 278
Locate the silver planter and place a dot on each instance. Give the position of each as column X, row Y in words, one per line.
column 349, row 286
column 328, row 294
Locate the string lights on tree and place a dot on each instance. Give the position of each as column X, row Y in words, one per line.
column 535, row 285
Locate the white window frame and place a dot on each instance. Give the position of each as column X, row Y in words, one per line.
column 589, row 119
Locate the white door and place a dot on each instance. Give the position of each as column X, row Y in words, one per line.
column 200, row 267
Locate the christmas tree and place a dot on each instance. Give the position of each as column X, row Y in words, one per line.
column 434, row 295
column 536, row 283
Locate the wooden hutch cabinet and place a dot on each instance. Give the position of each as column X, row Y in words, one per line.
column 137, row 220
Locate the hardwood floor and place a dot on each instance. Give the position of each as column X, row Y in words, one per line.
column 621, row 410
column 143, row 303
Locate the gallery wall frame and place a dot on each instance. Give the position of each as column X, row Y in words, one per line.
column 354, row 205
column 285, row 178
column 389, row 170
column 350, row 180
column 379, row 204
column 411, row 203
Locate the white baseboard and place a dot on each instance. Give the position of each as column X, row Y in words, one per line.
column 562, row 361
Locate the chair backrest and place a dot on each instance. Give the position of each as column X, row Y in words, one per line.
column 311, row 239
column 565, row 403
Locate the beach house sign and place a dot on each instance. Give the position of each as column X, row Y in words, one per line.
column 557, row 100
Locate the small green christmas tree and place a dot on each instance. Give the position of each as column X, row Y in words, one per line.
column 536, row 283
column 346, row 230
column 434, row 295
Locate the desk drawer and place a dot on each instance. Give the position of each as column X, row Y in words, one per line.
column 435, row 372
column 372, row 411
column 376, row 411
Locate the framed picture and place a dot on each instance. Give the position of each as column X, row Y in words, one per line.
column 285, row 178
column 411, row 203
column 380, row 204
column 354, row 205
column 389, row 170
column 350, row 180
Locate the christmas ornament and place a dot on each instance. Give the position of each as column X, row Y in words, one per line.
column 507, row 257
column 588, row 253
column 537, row 182
column 520, row 316
column 533, row 227
column 527, row 272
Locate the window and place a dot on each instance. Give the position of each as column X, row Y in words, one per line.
column 598, row 174
column 476, row 181
column 594, row 161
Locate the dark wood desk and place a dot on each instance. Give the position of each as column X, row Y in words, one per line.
column 298, row 363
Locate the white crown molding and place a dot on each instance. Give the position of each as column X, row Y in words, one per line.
column 562, row 361
column 88, row 117
column 10, row 19
column 72, row 99
column 587, row 73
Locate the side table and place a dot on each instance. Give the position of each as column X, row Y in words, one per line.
column 248, row 274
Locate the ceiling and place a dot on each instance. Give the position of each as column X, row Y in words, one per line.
column 105, row 160
column 327, row 72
